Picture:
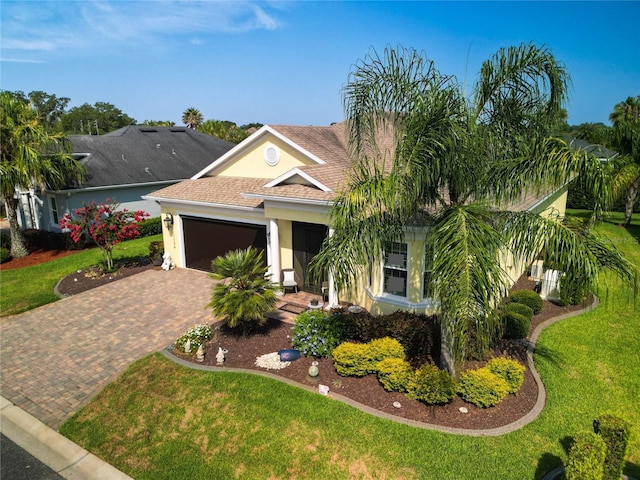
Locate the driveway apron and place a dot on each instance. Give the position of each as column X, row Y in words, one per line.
column 55, row 358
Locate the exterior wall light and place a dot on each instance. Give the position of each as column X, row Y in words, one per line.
column 168, row 221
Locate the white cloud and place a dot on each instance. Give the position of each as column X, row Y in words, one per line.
column 73, row 25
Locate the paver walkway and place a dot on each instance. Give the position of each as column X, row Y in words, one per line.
column 55, row 358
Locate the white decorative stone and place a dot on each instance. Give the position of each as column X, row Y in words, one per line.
column 323, row 389
column 463, row 410
column 397, row 404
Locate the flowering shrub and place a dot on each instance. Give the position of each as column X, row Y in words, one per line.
column 316, row 334
column 199, row 335
column 105, row 225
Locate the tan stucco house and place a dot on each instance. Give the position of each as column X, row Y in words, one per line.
column 274, row 191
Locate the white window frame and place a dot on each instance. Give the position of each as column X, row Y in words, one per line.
column 54, row 212
column 395, row 267
column 426, row 272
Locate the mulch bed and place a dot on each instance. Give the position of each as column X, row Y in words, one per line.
column 87, row 279
column 276, row 335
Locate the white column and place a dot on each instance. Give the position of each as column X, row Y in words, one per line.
column 333, row 293
column 274, row 247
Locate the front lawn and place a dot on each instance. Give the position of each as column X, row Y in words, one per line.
column 161, row 420
column 23, row 289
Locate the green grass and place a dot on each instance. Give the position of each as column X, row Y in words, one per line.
column 23, row 289
column 160, row 420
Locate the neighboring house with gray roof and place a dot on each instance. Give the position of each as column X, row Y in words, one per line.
column 274, row 191
column 123, row 165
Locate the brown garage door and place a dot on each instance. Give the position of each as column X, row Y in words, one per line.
column 205, row 239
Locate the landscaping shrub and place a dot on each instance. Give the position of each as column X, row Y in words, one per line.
column 573, row 290
column 5, row 254
column 418, row 334
column 586, row 458
column 431, row 385
column 520, row 308
column 199, row 335
column 515, row 326
column 511, row 370
column 5, row 240
column 394, row 374
column 382, row 348
column 482, row 387
column 316, row 334
column 529, row 298
column 150, row 226
column 615, row 433
column 156, row 249
column 351, row 359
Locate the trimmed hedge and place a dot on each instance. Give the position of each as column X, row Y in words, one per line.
column 357, row 359
column 529, row 298
column 351, row 359
column 586, row 458
column 515, row 326
column 394, row 374
column 150, row 226
column 511, row 370
column 418, row 334
column 520, row 308
column 482, row 387
column 431, row 385
column 615, row 433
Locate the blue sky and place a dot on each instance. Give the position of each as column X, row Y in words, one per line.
column 285, row 62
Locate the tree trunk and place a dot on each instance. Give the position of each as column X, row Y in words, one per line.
column 18, row 249
column 632, row 194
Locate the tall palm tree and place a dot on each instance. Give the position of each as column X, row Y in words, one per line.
column 192, row 117
column 626, row 139
column 455, row 166
column 30, row 157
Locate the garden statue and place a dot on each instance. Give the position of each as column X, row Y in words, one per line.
column 200, row 354
column 220, row 355
column 167, row 263
column 187, row 346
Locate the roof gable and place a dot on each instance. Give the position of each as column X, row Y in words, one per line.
column 267, row 153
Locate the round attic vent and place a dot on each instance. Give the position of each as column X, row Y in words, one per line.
column 271, row 155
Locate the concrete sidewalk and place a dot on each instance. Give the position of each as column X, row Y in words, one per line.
column 57, row 452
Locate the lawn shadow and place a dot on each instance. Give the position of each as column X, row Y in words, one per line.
column 546, row 464
column 632, row 470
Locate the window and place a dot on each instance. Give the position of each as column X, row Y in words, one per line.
column 54, row 210
column 395, row 269
column 427, row 289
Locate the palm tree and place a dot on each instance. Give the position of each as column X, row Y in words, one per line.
column 455, row 166
column 192, row 118
column 30, row 157
column 626, row 139
column 243, row 294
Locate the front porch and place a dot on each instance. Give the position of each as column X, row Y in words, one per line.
column 291, row 304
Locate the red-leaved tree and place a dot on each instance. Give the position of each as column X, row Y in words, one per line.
column 105, row 225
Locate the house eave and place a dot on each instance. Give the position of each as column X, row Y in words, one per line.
column 281, row 199
column 69, row 191
column 193, row 203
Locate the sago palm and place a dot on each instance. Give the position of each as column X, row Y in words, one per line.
column 456, row 165
column 243, row 294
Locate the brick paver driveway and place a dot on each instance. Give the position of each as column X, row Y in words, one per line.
column 55, row 358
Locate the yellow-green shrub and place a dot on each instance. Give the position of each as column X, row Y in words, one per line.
column 394, row 374
column 586, row 457
column 509, row 369
column 482, row 387
column 382, row 348
column 431, row 385
column 351, row 359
